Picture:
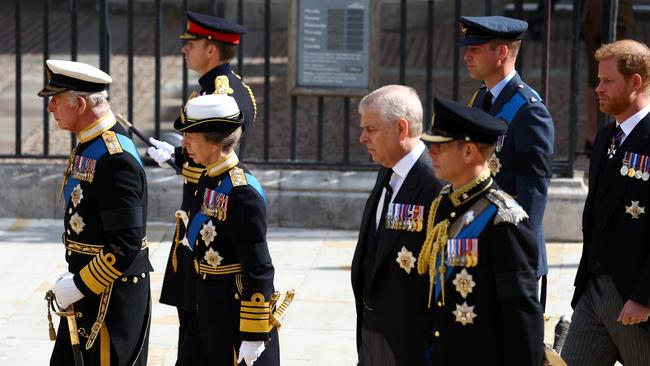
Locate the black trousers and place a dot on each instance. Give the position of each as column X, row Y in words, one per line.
column 374, row 350
column 185, row 319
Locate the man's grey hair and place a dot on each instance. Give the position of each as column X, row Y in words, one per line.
column 97, row 102
column 393, row 102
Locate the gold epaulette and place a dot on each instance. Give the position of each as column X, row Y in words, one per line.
column 254, row 315
column 238, row 177
column 508, row 209
column 100, row 272
column 112, row 143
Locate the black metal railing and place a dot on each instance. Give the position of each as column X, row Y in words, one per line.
column 348, row 156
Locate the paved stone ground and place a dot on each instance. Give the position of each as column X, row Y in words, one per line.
column 318, row 329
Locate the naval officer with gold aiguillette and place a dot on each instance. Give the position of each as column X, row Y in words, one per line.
column 480, row 251
column 105, row 200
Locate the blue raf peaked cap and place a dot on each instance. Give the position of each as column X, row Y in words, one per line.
column 456, row 121
column 479, row 30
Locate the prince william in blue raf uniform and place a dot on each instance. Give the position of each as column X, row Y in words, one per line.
column 522, row 164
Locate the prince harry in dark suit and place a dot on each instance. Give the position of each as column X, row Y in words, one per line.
column 393, row 322
column 612, row 296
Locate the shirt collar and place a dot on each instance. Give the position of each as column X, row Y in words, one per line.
column 103, row 124
column 628, row 125
column 405, row 164
column 496, row 90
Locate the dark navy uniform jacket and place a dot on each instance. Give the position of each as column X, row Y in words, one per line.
column 526, row 156
column 178, row 283
column 234, row 282
column 615, row 241
column 397, row 292
column 105, row 237
column 489, row 313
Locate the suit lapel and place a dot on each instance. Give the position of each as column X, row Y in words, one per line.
column 410, row 189
column 368, row 219
column 597, row 176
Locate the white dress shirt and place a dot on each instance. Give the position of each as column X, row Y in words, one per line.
column 628, row 125
column 497, row 89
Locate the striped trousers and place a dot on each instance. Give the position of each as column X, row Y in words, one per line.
column 595, row 338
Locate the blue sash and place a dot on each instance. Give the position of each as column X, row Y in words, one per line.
column 95, row 151
column 473, row 230
column 199, row 218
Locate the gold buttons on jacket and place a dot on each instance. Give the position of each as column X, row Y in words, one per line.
column 436, row 333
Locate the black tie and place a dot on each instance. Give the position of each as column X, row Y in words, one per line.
column 487, row 101
column 387, row 196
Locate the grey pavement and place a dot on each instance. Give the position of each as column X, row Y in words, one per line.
column 318, row 329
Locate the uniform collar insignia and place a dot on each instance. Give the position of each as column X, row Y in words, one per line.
column 96, row 128
column 223, row 165
column 471, row 189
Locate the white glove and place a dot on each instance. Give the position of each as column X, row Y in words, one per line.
column 162, row 152
column 66, row 291
column 250, row 351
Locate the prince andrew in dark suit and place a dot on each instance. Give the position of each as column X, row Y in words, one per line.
column 393, row 322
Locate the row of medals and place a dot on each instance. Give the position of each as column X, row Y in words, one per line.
column 632, row 173
column 408, row 224
column 466, row 260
